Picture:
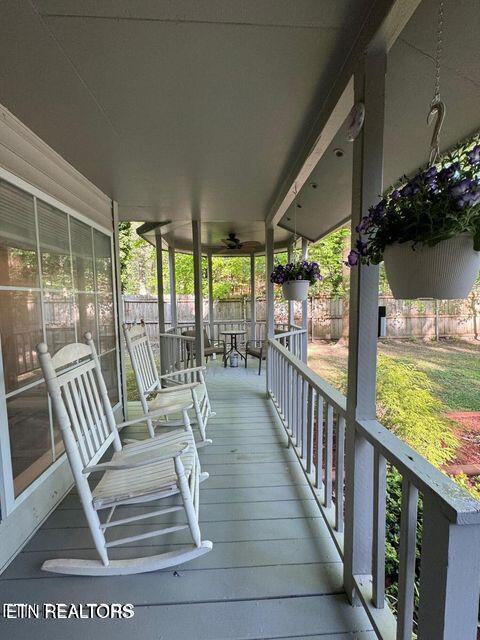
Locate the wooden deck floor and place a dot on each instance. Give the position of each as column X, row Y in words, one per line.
column 273, row 571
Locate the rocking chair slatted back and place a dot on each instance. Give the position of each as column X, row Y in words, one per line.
column 80, row 400
column 143, row 360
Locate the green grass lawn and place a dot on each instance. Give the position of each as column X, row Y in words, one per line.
column 453, row 366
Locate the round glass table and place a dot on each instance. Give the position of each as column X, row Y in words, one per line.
column 233, row 343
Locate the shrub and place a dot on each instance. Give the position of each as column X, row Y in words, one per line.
column 408, row 408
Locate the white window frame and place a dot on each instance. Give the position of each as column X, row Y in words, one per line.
column 8, row 502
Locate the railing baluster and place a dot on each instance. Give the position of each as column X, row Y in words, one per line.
column 406, row 572
column 339, row 472
column 319, row 460
column 310, row 427
column 304, row 417
column 378, row 551
column 299, row 411
column 328, row 456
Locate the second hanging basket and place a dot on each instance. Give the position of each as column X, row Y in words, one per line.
column 296, row 289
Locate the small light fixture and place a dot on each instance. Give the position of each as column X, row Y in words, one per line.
column 339, row 153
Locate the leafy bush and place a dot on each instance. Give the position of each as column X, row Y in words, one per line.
column 408, row 408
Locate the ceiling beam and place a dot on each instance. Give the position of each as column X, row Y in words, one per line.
column 379, row 31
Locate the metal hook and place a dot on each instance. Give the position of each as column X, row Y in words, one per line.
column 437, row 110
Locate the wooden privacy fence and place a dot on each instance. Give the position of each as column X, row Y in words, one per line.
column 404, row 318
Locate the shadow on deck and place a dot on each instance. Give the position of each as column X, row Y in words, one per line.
column 273, row 573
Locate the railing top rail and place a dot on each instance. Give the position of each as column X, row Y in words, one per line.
column 335, row 398
column 458, row 506
column 455, row 502
column 176, row 336
column 291, row 332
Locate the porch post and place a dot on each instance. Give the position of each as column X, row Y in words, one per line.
column 173, row 286
column 120, row 311
column 197, row 281
column 269, row 285
column 211, row 319
column 369, row 88
column 291, row 304
column 305, row 309
column 160, row 293
column 270, row 311
column 253, row 295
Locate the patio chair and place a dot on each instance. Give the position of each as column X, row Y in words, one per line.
column 210, row 347
column 258, row 349
column 138, row 473
column 154, row 392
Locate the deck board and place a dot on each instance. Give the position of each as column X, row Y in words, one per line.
column 274, row 571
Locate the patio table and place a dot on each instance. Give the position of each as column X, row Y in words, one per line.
column 233, row 333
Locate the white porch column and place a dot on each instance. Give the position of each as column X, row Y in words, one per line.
column 270, row 311
column 253, row 295
column 211, row 318
column 120, row 311
column 305, row 308
column 160, row 292
column 173, row 286
column 197, row 281
column 362, row 358
column 268, row 284
column 291, row 304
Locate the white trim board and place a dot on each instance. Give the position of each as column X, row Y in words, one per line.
column 29, row 158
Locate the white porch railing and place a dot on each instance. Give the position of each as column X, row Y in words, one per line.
column 315, row 419
column 176, row 352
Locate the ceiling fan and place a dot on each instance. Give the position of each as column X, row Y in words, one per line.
column 233, row 243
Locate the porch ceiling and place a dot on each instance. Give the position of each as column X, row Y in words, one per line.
column 409, row 90
column 176, row 108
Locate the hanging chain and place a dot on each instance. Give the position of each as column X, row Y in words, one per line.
column 295, row 238
column 437, row 106
column 438, row 51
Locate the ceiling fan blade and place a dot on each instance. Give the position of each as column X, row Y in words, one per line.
column 250, row 244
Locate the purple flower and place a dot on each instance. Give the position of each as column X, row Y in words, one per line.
column 447, row 173
column 365, row 225
column 462, row 187
column 474, row 155
column 395, row 195
column 411, row 188
column 430, row 173
column 352, row 258
column 361, row 247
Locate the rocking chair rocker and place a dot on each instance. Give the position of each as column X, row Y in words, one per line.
column 138, row 473
column 154, row 392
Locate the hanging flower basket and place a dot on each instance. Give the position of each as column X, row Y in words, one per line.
column 445, row 271
column 296, row 289
column 427, row 230
column 296, row 278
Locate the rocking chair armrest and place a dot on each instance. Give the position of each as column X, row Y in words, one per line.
column 180, row 387
column 150, row 415
column 137, row 460
column 181, row 372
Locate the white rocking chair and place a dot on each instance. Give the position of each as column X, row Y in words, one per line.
column 138, row 473
column 154, row 396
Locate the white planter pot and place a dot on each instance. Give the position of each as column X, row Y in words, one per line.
column 296, row 289
column 446, row 271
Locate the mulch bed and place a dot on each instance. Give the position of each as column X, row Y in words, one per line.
column 467, row 458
